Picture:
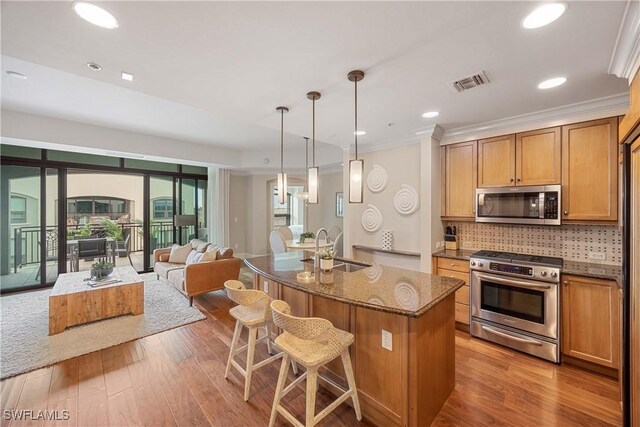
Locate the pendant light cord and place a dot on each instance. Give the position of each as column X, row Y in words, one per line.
column 281, row 141
column 313, row 132
column 356, row 115
column 306, row 160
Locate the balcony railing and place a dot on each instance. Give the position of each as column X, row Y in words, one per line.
column 26, row 240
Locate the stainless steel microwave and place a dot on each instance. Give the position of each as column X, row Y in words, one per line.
column 519, row 205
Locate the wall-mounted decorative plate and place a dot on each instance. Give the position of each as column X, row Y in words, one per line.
column 377, row 179
column 371, row 219
column 406, row 200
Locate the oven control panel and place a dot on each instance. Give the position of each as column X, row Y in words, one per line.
column 533, row 272
column 510, row 268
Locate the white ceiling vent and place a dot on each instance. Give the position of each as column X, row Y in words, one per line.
column 469, row 82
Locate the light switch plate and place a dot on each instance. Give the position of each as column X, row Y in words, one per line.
column 387, row 340
column 266, row 287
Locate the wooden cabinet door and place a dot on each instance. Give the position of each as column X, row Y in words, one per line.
column 538, row 160
column 298, row 300
column 591, row 320
column 497, row 161
column 590, row 171
column 459, row 164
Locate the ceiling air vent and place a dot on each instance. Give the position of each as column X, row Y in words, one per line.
column 470, row 82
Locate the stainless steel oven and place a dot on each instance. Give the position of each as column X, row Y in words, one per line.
column 516, row 303
column 519, row 205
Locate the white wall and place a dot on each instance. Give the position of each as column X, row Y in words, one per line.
column 403, row 166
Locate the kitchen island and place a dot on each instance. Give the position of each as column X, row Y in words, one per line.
column 402, row 320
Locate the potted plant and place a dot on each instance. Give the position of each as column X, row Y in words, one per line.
column 326, row 259
column 101, row 269
column 306, row 235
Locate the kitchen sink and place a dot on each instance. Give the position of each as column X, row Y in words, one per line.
column 343, row 265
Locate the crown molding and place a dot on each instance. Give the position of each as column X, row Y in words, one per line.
column 582, row 111
column 433, row 131
column 625, row 59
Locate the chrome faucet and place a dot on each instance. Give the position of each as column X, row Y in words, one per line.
column 316, row 257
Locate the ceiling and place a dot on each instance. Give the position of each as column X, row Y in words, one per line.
column 213, row 72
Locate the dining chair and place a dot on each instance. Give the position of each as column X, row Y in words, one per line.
column 333, row 232
column 286, row 232
column 278, row 245
column 337, row 245
column 124, row 249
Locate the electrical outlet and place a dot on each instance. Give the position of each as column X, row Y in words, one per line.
column 387, row 340
column 266, row 287
column 235, row 246
column 235, row 219
column 597, row 255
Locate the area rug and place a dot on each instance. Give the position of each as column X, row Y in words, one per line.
column 24, row 327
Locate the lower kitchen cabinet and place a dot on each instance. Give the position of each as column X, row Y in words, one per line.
column 591, row 322
column 458, row 269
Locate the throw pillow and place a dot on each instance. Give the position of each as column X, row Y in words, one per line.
column 208, row 256
column 225, row 253
column 194, row 258
column 179, row 253
column 192, row 254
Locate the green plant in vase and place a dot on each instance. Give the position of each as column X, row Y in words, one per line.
column 101, row 269
column 326, row 259
column 306, row 235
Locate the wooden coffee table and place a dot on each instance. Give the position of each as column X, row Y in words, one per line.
column 73, row 302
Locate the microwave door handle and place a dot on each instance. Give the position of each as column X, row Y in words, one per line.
column 513, row 282
column 509, row 336
column 541, row 206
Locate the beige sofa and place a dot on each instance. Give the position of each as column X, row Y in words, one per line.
column 195, row 278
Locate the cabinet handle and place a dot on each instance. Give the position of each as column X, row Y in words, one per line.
column 519, row 180
column 511, row 180
column 452, row 265
column 566, row 212
column 564, row 282
column 474, row 211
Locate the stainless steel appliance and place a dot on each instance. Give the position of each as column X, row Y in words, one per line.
column 519, row 205
column 515, row 301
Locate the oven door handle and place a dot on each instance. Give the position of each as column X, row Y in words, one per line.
column 509, row 336
column 513, row 282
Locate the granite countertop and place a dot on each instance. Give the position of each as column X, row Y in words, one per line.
column 379, row 287
column 462, row 254
column 597, row 271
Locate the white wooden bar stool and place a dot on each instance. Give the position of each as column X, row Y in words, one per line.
column 252, row 312
column 311, row 342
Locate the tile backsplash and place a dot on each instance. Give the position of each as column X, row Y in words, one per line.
column 570, row 242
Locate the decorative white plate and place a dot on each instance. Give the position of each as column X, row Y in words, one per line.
column 406, row 200
column 406, row 295
column 377, row 179
column 371, row 219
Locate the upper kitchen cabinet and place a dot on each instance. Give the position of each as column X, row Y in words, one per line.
column 459, row 168
column 538, row 157
column 497, row 161
column 590, row 171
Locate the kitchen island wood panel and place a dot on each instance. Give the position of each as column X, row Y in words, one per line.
column 406, row 384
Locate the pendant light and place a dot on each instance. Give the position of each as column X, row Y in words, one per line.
column 313, row 171
column 356, row 167
column 282, row 177
column 304, row 195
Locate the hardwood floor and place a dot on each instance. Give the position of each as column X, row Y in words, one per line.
column 177, row 378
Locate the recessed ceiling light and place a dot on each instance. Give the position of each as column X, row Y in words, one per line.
column 17, row 75
column 430, row 114
column 544, row 15
column 548, row 84
column 95, row 15
column 360, row 133
column 127, row 76
column 93, row 66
